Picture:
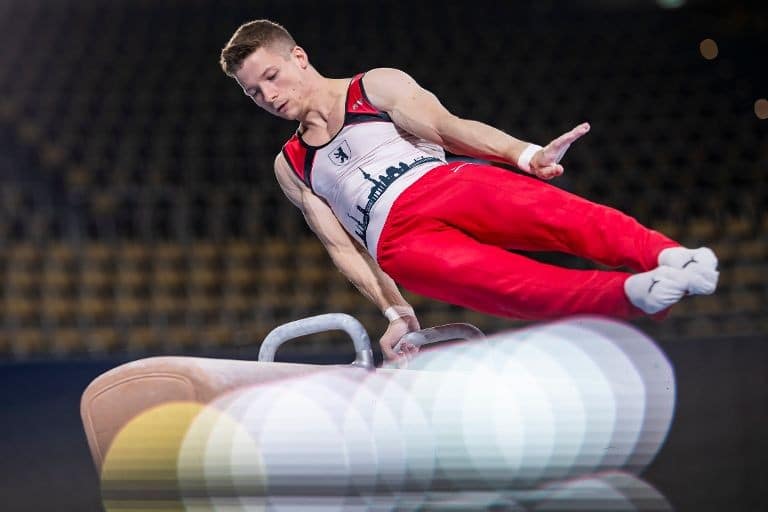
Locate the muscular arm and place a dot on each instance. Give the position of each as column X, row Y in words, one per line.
column 348, row 256
column 418, row 111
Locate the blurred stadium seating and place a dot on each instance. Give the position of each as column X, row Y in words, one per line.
column 139, row 213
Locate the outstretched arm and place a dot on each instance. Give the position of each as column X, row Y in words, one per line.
column 418, row 111
column 351, row 259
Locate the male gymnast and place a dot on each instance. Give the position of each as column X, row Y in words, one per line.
column 367, row 169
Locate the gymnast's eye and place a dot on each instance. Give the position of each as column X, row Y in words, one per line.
column 272, row 76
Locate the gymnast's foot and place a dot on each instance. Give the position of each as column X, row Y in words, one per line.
column 657, row 289
column 700, row 264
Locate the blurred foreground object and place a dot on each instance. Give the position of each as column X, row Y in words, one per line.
column 522, row 420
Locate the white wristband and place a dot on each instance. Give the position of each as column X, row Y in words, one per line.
column 395, row 312
column 524, row 160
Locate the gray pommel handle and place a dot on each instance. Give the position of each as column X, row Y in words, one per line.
column 317, row 324
column 440, row 333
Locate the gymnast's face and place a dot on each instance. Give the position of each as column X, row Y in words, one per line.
column 273, row 78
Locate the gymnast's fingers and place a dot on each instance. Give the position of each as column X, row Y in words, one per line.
column 557, row 148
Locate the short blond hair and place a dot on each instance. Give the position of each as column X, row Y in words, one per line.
column 250, row 37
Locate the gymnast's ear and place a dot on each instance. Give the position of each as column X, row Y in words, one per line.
column 300, row 56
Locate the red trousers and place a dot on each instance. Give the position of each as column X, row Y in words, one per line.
column 447, row 235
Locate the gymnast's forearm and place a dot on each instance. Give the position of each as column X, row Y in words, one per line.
column 479, row 140
column 366, row 275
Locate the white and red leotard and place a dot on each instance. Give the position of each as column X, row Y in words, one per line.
column 364, row 167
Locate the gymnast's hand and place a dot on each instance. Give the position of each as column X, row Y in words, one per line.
column 396, row 330
column 545, row 163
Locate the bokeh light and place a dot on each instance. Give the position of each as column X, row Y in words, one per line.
column 670, row 4
column 709, row 49
column 761, row 108
column 520, row 417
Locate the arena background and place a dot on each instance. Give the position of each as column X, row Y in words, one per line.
column 139, row 214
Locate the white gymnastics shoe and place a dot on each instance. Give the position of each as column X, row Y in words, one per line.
column 657, row 289
column 701, row 264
